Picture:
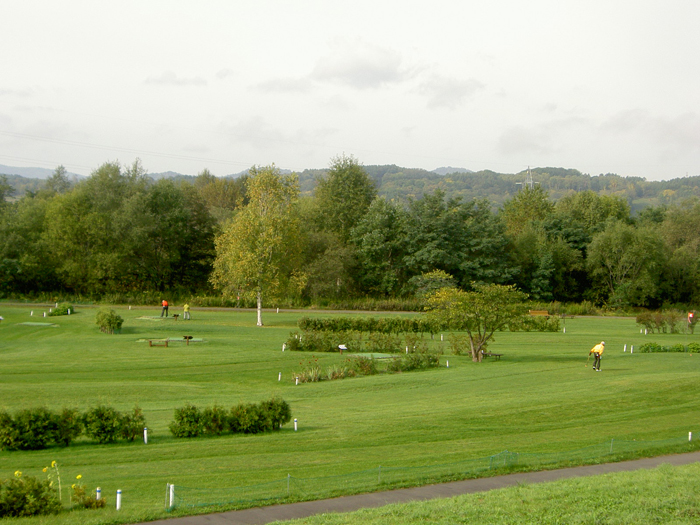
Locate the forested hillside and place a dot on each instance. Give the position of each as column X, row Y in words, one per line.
column 354, row 231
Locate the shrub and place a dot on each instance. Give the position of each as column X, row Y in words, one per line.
column 27, row 496
column 693, row 348
column 363, row 366
column 459, row 344
column 62, row 309
column 189, row 422
column 278, row 412
column 215, row 419
column 68, row 426
column 245, row 418
column 108, row 320
column 131, row 425
column 414, row 361
column 32, row 429
column 383, row 343
column 102, row 423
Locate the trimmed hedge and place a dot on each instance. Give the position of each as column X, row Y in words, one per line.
column 38, row 428
column 247, row 418
column 647, row 348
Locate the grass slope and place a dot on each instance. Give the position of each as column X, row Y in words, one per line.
column 539, row 398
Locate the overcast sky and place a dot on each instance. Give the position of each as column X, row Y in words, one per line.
column 603, row 86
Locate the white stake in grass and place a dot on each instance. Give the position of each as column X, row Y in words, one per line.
column 98, row 493
column 145, row 435
column 280, row 377
column 295, row 424
column 172, row 495
column 448, row 364
column 119, row 499
column 625, row 350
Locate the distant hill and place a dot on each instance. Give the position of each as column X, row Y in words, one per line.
column 403, row 184
column 449, row 169
column 33, row 173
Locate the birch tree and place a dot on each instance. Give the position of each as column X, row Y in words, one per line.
column 258, row 249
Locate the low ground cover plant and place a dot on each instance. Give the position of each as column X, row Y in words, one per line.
column 247, row 418
column 365, row 366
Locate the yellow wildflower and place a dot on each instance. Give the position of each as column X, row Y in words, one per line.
column 18, row 474
column 72, row 486
column 53, row 464
column 46, row 468
column 78, row 476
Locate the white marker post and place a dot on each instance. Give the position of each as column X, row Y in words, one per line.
column 632, row 349
column 44, row 314
column 284, row 346
column 280, row 377
column 145, row 435
column 448, row 364
column 625, row 350
column 68, row 311
column 98, row 494
column 119, row 499
column 295, row 424
column 31, row 313
column 297, row 384
column 690, row 436
column 172, row 495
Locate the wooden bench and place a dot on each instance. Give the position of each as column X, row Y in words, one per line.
column 158, row 342
column 491, row 354
column 543, row 313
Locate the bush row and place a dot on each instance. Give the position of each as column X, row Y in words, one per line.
column 354, row 341
column 383, row 325
column 673, row 321
column 248, row 418
column 364, row 366
column 38, row 428
column 654, row 347
column 535, row 324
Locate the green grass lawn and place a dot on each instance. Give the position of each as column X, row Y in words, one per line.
column 539, row 398
column 663, row 495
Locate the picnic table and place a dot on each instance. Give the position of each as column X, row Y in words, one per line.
column 497, row 357
column 158, row 342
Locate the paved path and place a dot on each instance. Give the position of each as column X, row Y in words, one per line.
column 261, row 515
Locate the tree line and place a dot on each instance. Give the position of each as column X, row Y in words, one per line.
column 258, row 236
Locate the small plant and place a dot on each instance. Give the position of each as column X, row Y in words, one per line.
column 310, row 372
column 459, row 344
column 53, row 475
column 81, row 498
column 108, row 320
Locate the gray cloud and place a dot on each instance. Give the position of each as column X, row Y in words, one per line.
column 170, row 78
column 544, row 138
column 361, row 66
column 448, row 93
column 677, row 134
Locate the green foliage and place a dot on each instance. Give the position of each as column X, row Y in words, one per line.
column 27, row 496
column 132, row 424
column 188, row 422
column 667, row 321
column 108, row 320
column 655, row 347
column 68, row 426
column 363, row 366
column 102, row 423
column 414, row 361
column 83, row 499
column 531, row 323
column 479, row 313
column 62, row 309
column 38, row 428
column 247, row 418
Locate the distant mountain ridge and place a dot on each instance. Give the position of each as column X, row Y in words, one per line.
column 33, row 173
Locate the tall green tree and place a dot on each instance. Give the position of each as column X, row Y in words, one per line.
column 259, row 249
column 625, row 262
column 480, row 312
column 343, row 196
column 464, row 239
column 527, row 206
